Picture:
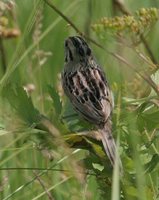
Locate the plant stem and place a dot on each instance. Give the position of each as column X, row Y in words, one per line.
column 125, row 11
column 3, row 56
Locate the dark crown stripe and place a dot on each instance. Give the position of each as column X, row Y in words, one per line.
column 70, row 55
column 75, row 41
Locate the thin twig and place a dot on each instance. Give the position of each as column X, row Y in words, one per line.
column 62, row 15
column 43, row 186
column 122, row 8
column 148, row 49
column 46, row 169
column 143, row 75
column 125, row 11
column 138, row 53
column 49, row 2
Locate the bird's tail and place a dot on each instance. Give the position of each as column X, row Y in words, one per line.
column 109, row 143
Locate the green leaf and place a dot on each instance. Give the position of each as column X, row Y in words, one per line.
column 150, row 166
column 148, row 116
column 82, row 141
column 57, row 104
column 98, row 166
column 149, row 121
column 132, row 191
column 96, row 147
column 23, row 105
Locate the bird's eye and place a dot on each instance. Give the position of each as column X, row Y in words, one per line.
column 88, row 51
column 66, row 44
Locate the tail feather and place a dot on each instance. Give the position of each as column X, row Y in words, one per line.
column 109, row 143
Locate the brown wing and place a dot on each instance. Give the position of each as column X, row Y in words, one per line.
column 89, row 93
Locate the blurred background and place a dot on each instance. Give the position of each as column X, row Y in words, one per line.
column 44, row 151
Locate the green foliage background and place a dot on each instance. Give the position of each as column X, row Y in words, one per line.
column 45, row 150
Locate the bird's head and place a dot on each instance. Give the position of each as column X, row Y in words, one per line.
column 76, row 49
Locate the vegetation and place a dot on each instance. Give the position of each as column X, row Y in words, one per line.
column 46, row 150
